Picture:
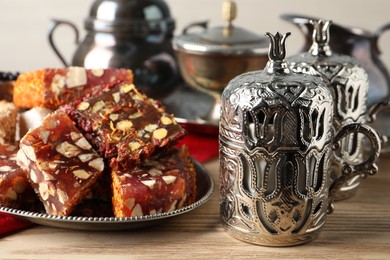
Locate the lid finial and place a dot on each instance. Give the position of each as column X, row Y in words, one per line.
column 229, row 13
column 320, row 45
column 277, row 53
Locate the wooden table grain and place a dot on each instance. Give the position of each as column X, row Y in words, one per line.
column 358, row 229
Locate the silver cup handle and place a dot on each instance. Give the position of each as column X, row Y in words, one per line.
column 367, row 167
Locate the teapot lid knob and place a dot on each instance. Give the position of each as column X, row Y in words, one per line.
column 277, row 53
column 229, row 11
column 320, row 45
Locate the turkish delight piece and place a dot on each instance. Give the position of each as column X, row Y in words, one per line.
column 161, row 184
column 51, row 88
column 124, row 125
column 15, row 189
column 63, row 165
column 8, row 113
column 30, row 119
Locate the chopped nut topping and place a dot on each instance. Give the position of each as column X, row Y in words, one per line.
column 134, row 146
column 97, row 163
column 155, row 172
column 126, row 88
column 75, row 136
column 62, row 196
column 22, row 160
column 85, row 157
column 83, row 143
column 53, row 207
column 168, row 179
column 83, row 106
column 50, row 123
column 97, row 72
column 43, row 190
column 5, row 168
column 98, row 105
column 44, row 135
column 47, row 176
column 137, row 211
column 82, row 174
column 135, row 115
column 149, row 183
column 52, row 189
column 138, row 97
column 75, row 77
column 44, row 165
column 116, row 97
column 29, row 152
column 166, row 120
column 68, row 150
column 160, row 133
column 114, row 117
column 124, row 125
column 33, row 176
column 58, row 84
column 151, row 127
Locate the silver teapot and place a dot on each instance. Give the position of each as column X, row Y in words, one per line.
column 133, row 34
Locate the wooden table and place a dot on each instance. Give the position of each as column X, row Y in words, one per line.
column 359, row 229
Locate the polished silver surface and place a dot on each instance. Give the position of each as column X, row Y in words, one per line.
column 134, row 34
column 362, row 45
column 209, row 59
column 204, row 183
column 275, row 136
column 348, row 82
column 276, row 140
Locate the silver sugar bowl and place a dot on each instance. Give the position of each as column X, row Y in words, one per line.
column 209, row 59
column 276, row 139
column 348, row 82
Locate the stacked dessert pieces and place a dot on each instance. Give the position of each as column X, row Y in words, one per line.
column 111, row 145
column 15, row 189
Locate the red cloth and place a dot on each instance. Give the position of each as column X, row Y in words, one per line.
column 10, row 224
column 201, row 147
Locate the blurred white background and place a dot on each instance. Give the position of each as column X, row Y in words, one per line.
column 24, row 24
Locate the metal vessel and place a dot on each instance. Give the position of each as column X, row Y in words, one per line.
column 276, row 139
column 348, row 82
column 134, row 34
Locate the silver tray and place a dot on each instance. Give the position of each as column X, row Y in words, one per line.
column 204, row 184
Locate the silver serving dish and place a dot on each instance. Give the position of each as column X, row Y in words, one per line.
column 204, row 183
